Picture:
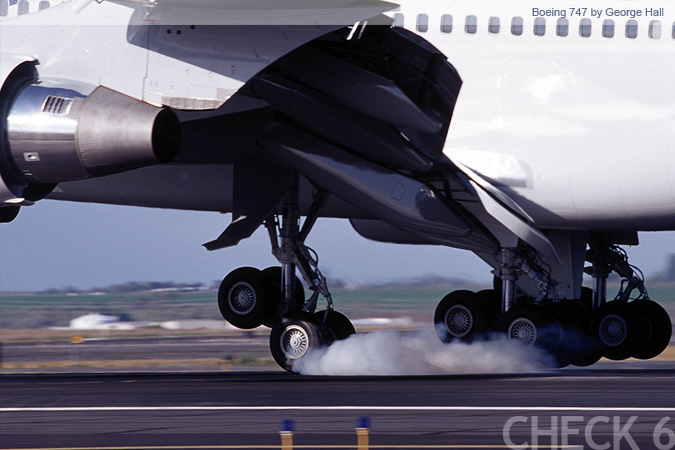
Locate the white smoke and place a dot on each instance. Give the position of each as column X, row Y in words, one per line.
column 419, row 353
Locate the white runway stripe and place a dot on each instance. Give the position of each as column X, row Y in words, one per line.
column 609, row 409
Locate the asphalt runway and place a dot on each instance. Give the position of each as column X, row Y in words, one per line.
column 594, row 408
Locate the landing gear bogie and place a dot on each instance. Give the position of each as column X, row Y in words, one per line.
column 559, row 328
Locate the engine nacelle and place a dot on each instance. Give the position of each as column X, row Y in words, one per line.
column 55, row 130
column 58, row 134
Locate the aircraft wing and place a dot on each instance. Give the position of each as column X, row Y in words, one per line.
column 359, row 112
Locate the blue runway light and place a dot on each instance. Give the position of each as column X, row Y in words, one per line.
column 288, row 425
column 363, row 422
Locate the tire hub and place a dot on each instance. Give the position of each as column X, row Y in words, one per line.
column 612, row 330
column 459, row 321
column 294, row 342
column 523, row 330
column 242, row 298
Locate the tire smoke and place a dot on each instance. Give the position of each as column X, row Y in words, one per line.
column 419, row 353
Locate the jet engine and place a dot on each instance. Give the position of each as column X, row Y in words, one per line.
column 58, row 130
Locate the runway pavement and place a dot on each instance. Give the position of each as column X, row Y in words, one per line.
column 610, row 408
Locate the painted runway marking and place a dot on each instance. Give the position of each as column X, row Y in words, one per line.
column 318, row 447
column 617, row 409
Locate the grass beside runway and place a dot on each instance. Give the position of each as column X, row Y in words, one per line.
column 40, row 311
column 415, row 303
column 33, row 311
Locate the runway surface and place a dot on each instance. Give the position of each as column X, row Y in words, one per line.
column 596, row 408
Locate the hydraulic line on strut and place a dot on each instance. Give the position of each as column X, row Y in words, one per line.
column 607, row 258
column 288, row 247
column 515, row 261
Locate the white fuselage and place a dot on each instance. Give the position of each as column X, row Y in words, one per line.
column 578, row 130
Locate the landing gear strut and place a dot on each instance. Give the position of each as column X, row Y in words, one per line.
column 275, row 296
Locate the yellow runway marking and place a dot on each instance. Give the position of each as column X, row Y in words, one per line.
column 318, row 447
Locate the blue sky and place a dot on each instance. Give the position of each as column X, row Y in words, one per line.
column 56, row 244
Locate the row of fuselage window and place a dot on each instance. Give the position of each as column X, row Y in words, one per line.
column 22, row 8
column 562, row 26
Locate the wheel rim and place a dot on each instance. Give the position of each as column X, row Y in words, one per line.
column 458, row 321
column 242, row 298
column 524, row 330
column 294, row 342
column 612, row 330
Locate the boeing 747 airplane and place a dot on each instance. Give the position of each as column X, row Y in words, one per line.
column 537, row 135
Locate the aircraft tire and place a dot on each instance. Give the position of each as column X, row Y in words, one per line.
column 576, row 347
column 337, row 326
column 532, row 325
column 491, row 301
column 588, row 353
column 293, row 337
column 273, row 277
column 618, row 329
column 245, row 299
column 459, row 316
column 565, row 317
column 585, row 303
column 657, row 329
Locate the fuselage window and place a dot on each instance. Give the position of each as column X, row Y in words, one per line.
column 585, row 28
column 422, row 23
column 44, row 5
column 517, row 26
column 4, row 8
column 655, row 29
column 608, row 28
column 562, row 28
column 471, row 25
column 446, row 24
column 23, row 7
column 494, row 25
column 539, row 26
column 399, row 21
column 631, row 29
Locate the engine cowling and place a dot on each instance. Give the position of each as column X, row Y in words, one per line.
column 56, row 130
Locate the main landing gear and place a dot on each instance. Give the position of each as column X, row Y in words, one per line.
column 274, row 297
column 578, row 331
